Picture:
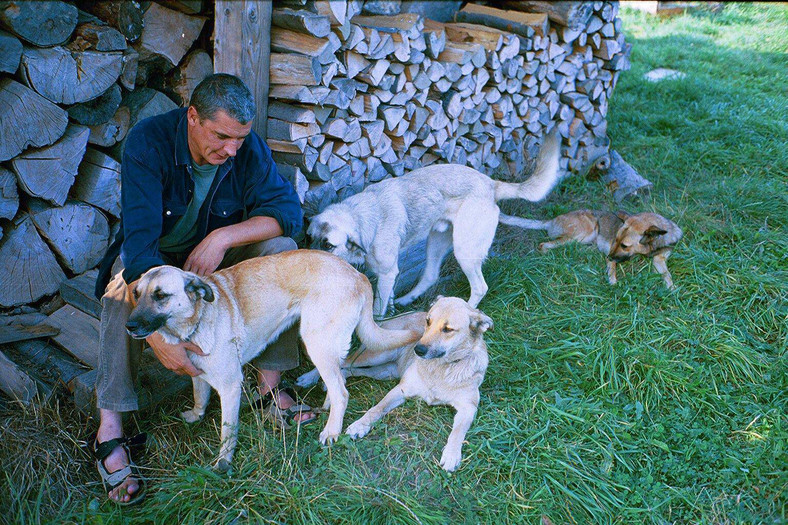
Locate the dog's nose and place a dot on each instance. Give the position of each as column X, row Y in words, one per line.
column 420, row 350
column 132, row 326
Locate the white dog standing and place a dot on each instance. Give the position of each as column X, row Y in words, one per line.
column 445, row 367
column 449, row 205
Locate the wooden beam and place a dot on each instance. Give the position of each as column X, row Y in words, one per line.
column 242, row 47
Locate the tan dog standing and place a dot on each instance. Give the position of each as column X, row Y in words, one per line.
column 445, row 367
column 619, row 236
column 234, row 313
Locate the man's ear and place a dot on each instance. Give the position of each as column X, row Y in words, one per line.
column 480, row 322
column 198, row 287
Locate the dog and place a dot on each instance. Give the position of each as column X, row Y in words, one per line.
column 445, row 367
column 234, row 313
column 619, row 236
column 449, row 205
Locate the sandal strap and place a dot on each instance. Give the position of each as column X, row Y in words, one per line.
column 103, row 450
column 292, row 412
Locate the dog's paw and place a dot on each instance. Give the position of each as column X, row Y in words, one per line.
column 191, row 416
column 309, row 379
column 327, row 437
column 222, row 466
column 541, row 248
column 450, row 459
column 357, row 429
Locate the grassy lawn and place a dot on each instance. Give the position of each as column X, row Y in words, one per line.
column 626, row 404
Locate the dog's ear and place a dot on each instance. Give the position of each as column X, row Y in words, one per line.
column 623, row 215
column 651, row 233
column 199, row 288
column 437, row 298
column 480, row 323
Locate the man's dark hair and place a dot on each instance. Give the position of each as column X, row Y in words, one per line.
column 223, row 92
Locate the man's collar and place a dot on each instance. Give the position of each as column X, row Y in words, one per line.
column 182, row 153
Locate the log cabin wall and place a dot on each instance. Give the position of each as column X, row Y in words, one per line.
column 358, row 92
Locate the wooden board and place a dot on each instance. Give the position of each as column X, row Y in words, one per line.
column 14, row 382
column 78, row 292
column 17, row 332
column 79, row 334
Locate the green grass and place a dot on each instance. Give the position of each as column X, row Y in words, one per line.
column 626, row 404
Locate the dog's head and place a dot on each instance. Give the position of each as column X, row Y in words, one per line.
column 451, row 323
column 642, row 234
column 335, row 230
column 166, row 297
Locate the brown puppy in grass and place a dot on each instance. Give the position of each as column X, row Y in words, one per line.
column 620, row 236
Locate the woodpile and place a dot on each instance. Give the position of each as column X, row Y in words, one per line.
column 74, row 78
column 358, row 97
column 359, row 91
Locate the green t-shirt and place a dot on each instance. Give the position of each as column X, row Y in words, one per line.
column 182, row 234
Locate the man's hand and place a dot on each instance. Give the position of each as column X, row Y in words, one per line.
column 207, row 256
column 174, row 356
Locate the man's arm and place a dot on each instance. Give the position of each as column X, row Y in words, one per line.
column 207, row 256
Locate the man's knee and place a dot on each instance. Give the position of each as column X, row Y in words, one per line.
column 275, row 245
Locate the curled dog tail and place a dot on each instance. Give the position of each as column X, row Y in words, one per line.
column 373, row 336
column 544, row 177
column 528, row 224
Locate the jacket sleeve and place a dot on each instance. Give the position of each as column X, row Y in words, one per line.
column 141, row 205
column 267, row 193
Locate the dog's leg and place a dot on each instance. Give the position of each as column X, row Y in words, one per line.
column 474, row 230
column 452, row 452
column 336, row 393
column 386, row 282
column 611, row 271
column 202, row 394
column 230, row 397
column 384, row 372
column 361, row 427
column 661, row 265
column 438, row 245
column 549, row 245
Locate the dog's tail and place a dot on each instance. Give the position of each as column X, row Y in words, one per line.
column 528, row 224
column 373, row 336
column 544, row 177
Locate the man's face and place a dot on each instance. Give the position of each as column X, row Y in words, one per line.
column 216, row 140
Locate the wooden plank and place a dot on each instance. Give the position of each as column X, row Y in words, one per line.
column 78, row 292
column 242, row 47
column 79, row 334
column 14, row 382
column 18, row 332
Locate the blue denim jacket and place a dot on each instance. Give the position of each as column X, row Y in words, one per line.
column 156, row 187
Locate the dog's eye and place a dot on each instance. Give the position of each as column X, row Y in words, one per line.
column 446, row 330
column 325, row 245
column 158, row 295
column 135, row 293
column 625, row 246
column 428, row 322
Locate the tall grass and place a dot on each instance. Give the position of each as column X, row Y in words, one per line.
column 626, row 404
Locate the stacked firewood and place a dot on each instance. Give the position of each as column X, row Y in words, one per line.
column 358, row 97
column 74, row 78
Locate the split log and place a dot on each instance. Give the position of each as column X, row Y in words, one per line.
column 14, row 332
column 99, row 110
column 125, row 16
column 28, row 269
column 290, row 131
column 522, row 24
column 296, row 178
column 27, row 119
column 66, row 77
column 49, row 172
column 99, row 37
column 318, row 197
column 574, row 15
column 79, row 293
column 289, row 41
column 142, row 103
column 14, row 382
column 47, row 362
column 301, row 21
column 297, row 114
column 76, row 232
column 189, row 7
column 128, row 74
column 167, row 34
column 39, row 23
column 79, row 334
column 294, row 70
column 180, row 83
column 9, row 196
column 98, row 182
column 111, row 132
column 304, row 161
column 10, row 52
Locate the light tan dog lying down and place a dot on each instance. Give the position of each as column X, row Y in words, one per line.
column 234, row 313
column 445, row 367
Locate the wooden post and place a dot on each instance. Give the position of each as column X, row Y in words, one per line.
column 245, row 53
